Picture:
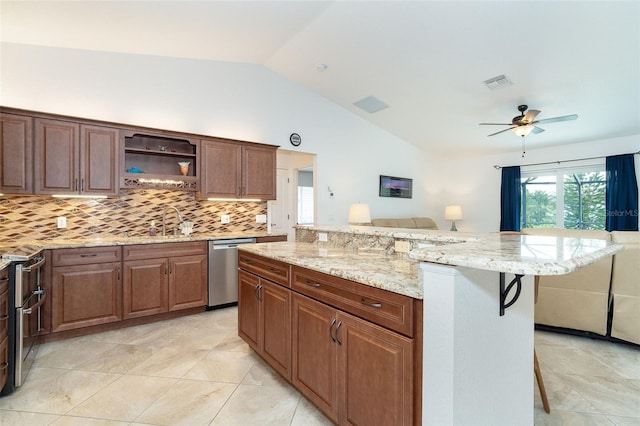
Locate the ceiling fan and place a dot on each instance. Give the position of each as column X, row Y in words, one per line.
column 524, row 124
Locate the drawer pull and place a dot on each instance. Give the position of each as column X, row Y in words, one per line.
column 4, row 280
column 89, row 255
column 4, row 317
column 275, row 270
column 312, row 284
column 4, row 365
column 372, row 304
column 247, row 261
column 337, row 330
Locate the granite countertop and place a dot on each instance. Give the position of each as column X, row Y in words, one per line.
column 108, row 240
column 393, row 272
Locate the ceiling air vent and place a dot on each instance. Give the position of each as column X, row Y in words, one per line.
column 371, row 104
column 498, row 82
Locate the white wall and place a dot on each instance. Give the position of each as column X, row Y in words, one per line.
column 241, row 101
column 474, row 183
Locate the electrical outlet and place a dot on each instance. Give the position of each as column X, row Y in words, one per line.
column 225, row 218
column 62, row 222
column 261, row 218
column 322, row 236
column 401, row 246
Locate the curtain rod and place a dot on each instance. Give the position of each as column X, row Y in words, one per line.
column 562, row 161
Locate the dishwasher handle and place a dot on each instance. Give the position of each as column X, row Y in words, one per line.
column 229, row 244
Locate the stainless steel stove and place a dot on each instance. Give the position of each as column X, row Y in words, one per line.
column 26, row 297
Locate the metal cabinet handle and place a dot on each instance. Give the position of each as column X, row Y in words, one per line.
column 118, row 272
column 89, row 255
column 260, row 293
column 372, row 304
column 4, row 365
column 75, row 184
column 4, row 317
column 82, row 185
column 337, row 330
column 4, row 280
column 255, row 292
column 275, row 270
column 333, row 322
column 312, row 284
column 30, row 310
column 34, row 266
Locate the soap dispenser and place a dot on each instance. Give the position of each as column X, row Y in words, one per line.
column 152, row 230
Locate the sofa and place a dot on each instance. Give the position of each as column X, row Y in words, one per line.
column 410, row 222
column 602, row 299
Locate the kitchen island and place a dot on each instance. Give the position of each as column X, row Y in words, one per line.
column 477, row 294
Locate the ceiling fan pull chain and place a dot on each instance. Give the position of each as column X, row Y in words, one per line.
column 523, row 151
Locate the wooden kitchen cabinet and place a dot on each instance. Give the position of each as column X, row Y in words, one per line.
column 16, row 154
column 86, row 287
column 237, row 170
column 75, row 159
column 164, row 277
column 264, row 320
column 354, row 371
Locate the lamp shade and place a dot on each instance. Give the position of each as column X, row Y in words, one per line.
column 453, row 213
column 359, row 214
column 523, row 130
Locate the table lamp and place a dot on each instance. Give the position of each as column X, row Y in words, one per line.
column 453, row 213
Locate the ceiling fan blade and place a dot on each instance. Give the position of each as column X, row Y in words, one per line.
column 501, row 131
column 557, row 119
column 530, row 115
column 537, row 129
column 495, row 124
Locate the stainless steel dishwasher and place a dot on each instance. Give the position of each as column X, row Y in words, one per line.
column 223, row 271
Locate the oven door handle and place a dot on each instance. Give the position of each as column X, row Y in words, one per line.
column 34, row 266
column 43, row 295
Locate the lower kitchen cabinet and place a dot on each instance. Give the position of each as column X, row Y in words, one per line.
column 85, row 292
column 354, row 371
column 164, row 277
column 264, row 320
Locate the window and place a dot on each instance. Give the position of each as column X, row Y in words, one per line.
column 570, row 198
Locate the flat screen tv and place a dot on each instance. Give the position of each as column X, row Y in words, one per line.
column 396, row 187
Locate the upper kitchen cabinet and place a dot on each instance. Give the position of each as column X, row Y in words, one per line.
column 16, row 154
column 159, row 161
column 238, row 170
column 75, row 159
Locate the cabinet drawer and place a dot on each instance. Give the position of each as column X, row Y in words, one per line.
column 270, row 269
column 387, row 309
column 160, row 250
column 85, row 255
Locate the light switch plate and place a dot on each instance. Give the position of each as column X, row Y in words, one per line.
column 402, row 246
column 261, row 218
column 62, row 222
column 225, row 218
column 322, row 236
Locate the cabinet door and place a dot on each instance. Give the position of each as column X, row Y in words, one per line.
column 248, row 309
column 187, row 282
column 4, row 361
column 314, row 363
column 16, row 154
column 99, row 159
column 221, row 167
column 259, row 172
column 56, row 157
column 145, row 287
column 375, row 381
column 275, row 316
column 85, row 295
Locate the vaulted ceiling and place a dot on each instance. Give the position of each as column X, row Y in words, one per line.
column 427, row 60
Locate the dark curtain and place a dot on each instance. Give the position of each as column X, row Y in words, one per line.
column 621, row 194
column 510, row 198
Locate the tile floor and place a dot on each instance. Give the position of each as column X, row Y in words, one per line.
column 196, row 371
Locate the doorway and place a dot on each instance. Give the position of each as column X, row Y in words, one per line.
column 296, row 193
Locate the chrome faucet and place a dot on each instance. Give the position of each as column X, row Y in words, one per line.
column 164, row 219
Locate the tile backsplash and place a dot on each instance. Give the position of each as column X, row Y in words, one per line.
column 34, row 217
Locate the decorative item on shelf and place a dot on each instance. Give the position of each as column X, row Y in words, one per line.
column 184, row 167
column 453, row 213
column 162, row 148
column 359, row 214
column 134, row 169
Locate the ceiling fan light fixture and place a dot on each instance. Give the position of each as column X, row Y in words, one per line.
column 523, row 130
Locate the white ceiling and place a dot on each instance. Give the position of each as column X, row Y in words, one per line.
column 426, row 59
